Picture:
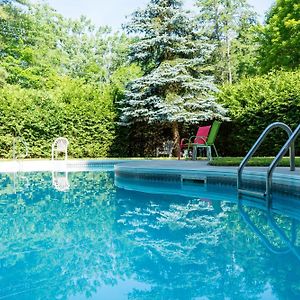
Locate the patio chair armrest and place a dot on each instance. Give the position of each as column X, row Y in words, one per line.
column 203, row 138
column 182, row 140
column 182, row 143
column 190, row 139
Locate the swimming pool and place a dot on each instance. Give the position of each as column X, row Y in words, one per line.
column 97, row 236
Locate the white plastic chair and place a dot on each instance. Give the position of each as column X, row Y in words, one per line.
column 60, row 145
column 166, row 149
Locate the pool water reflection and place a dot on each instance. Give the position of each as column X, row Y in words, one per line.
column 98, row 241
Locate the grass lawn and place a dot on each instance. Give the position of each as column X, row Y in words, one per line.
column 254, row 161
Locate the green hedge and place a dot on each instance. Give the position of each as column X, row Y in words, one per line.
column 81, row 112
column 85, row 114
column 253, row 104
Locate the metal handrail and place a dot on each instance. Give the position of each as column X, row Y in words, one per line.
column 15, row 142
column 275, row 162
column 289, row 144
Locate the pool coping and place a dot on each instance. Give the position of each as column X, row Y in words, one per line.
column 179, row 167
column 47, row 165
column 192, row 169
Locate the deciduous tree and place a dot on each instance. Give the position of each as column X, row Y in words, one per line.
column 228, row 26
column 281, row 36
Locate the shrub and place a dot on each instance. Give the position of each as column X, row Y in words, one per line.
column 253, row 104
column 81, row 112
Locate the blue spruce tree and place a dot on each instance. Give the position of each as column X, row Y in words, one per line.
column 177, row 86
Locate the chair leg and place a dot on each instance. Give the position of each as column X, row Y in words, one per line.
column 194, row 155
column 215, row 150
column 209, row 153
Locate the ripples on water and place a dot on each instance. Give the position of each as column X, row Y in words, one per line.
column 94, row 240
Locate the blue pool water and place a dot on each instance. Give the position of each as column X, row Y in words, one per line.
column 99, row 241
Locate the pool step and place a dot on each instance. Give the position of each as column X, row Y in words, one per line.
column 252, row 193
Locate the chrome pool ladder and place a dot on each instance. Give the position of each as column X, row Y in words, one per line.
column 289, row 145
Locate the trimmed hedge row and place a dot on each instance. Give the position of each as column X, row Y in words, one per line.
column 81, row 112
column 85, row 114
column 253, row 104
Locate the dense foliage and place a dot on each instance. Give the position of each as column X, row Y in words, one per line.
column 256, row 102
column 59, row 77
column 73, row 110
column 281, row 36
column 229, row 26
column 66, row 77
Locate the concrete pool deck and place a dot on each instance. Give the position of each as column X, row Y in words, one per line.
column 182, row 166
column 44, row 165
column 189, row 165
column 136, row 166
column 172, row 166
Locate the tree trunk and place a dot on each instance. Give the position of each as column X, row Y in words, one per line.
column 176, row 138
column 228, row 44
column 228, row 54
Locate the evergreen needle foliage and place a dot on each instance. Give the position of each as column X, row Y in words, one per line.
column 177, row 86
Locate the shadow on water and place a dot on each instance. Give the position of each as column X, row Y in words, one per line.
column 143, row 240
